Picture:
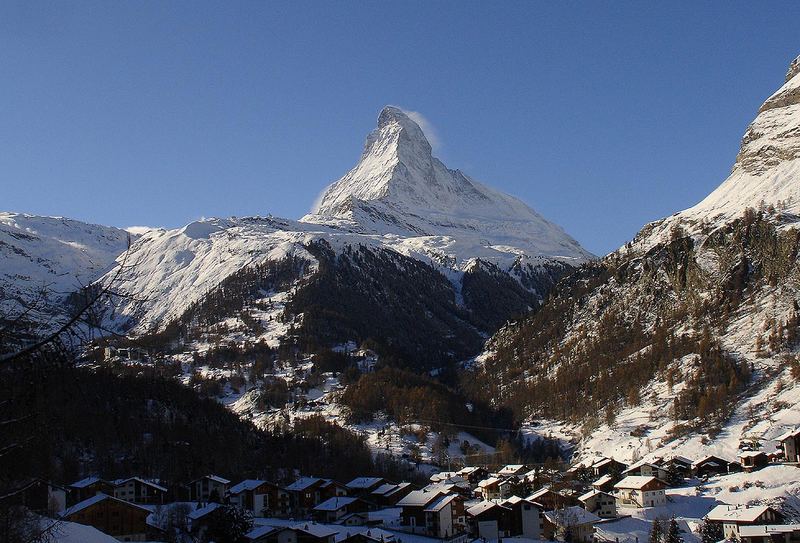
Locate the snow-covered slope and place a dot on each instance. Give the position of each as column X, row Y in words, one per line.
column 766, row 173
column 684, row 341
column 399, row 187
column 43, row 259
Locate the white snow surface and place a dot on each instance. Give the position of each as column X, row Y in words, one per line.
column 53, row 254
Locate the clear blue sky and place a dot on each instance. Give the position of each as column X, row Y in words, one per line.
column 603, row 116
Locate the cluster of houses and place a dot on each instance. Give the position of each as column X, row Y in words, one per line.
column 455, row 506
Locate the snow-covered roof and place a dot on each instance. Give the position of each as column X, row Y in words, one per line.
column 97, row 498
column 384, row 489
column 767, row 529
column 335, row 503
column 681, row 460
column 467, row 470
column 511, row 469
column 605, row 479
column 364, row 482
column 751, row 454
column 489, row 482
column 303, row 483
column 83, row 483
column 571, row 516
column 120, row 482
column 397, row 488
column 440, row 503
column 203, row 511
column 215, row 478
column 635, row 481
column 482, row 507
column 539, row 493
column 591, row 494
column 261, row 531
column 418, row 498
column 641, row 463
column 247, row 484
column 317, row 530
column 787, row 435
column 711, row 459
column 733, row 513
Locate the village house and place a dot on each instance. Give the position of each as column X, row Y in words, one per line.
column 360, row 518
column 362, row 486
column 606, row 483
column 88, row 487
column 369, row 536
column 710, row 466
column 770, row 533
column 607, row 466
column 39, row 496
column 648, row 469
column 526, row 517
column 679, row 465
column 304, row 495
column 271, row 534
column 388, row 494
column 118, row 518
column 753, row 460
column 790, row 443
column 412, row 507
column 573, row 524
column 200, row 518
column 261, row 498
column 489, row 520
column 334, row 509
column 637, row 491
column 310, row 532
column 473, row 474
column 445, row 517
column 137, row 490
column 332, row 489
column 489, row 489
column 602, row 504
column 513, row 470
column 733, row 517
column 208, row 488
column 550, row 499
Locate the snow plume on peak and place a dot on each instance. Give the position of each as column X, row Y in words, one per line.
column 398, row 187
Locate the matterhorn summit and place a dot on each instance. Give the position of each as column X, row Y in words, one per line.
column 399, row 187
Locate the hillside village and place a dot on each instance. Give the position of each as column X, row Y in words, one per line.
column 602, row 500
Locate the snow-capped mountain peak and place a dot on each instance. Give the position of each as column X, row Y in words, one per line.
column 399, row 187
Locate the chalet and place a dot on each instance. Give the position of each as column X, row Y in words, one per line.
column 208, row 488
column 136, row 490
column 753, row 460
column 304, row 495
column 88, row 487
column 638, row 491
column 473, row 474
column 369, row 536
column 573, row 524
column 444, row 476
column 334, row 509
column 388, row 494
column 551, row 499
column 606, row 483
column 361, row 486
column 733, row 517
column 513, row 470
column 770, row 533
column 309, row 532
column 602, row 504
column 357, row 519
column 445, row 517
column 200, row 518
column 413, row 506
column 489, row 489
column 261, row 498
column 271, row 534
column 39, row 496
column 647, row 469
column 607, row 466
column 790, row 443
column 526, row 517
column 489, row 520
column 124, row 520
column 679, row 465
column 332, row 489
column 710, row 466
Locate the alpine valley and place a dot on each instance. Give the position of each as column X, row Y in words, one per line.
column 443, row 320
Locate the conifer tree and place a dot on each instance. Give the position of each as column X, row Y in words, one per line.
column 673, row 532
column 656, row 532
